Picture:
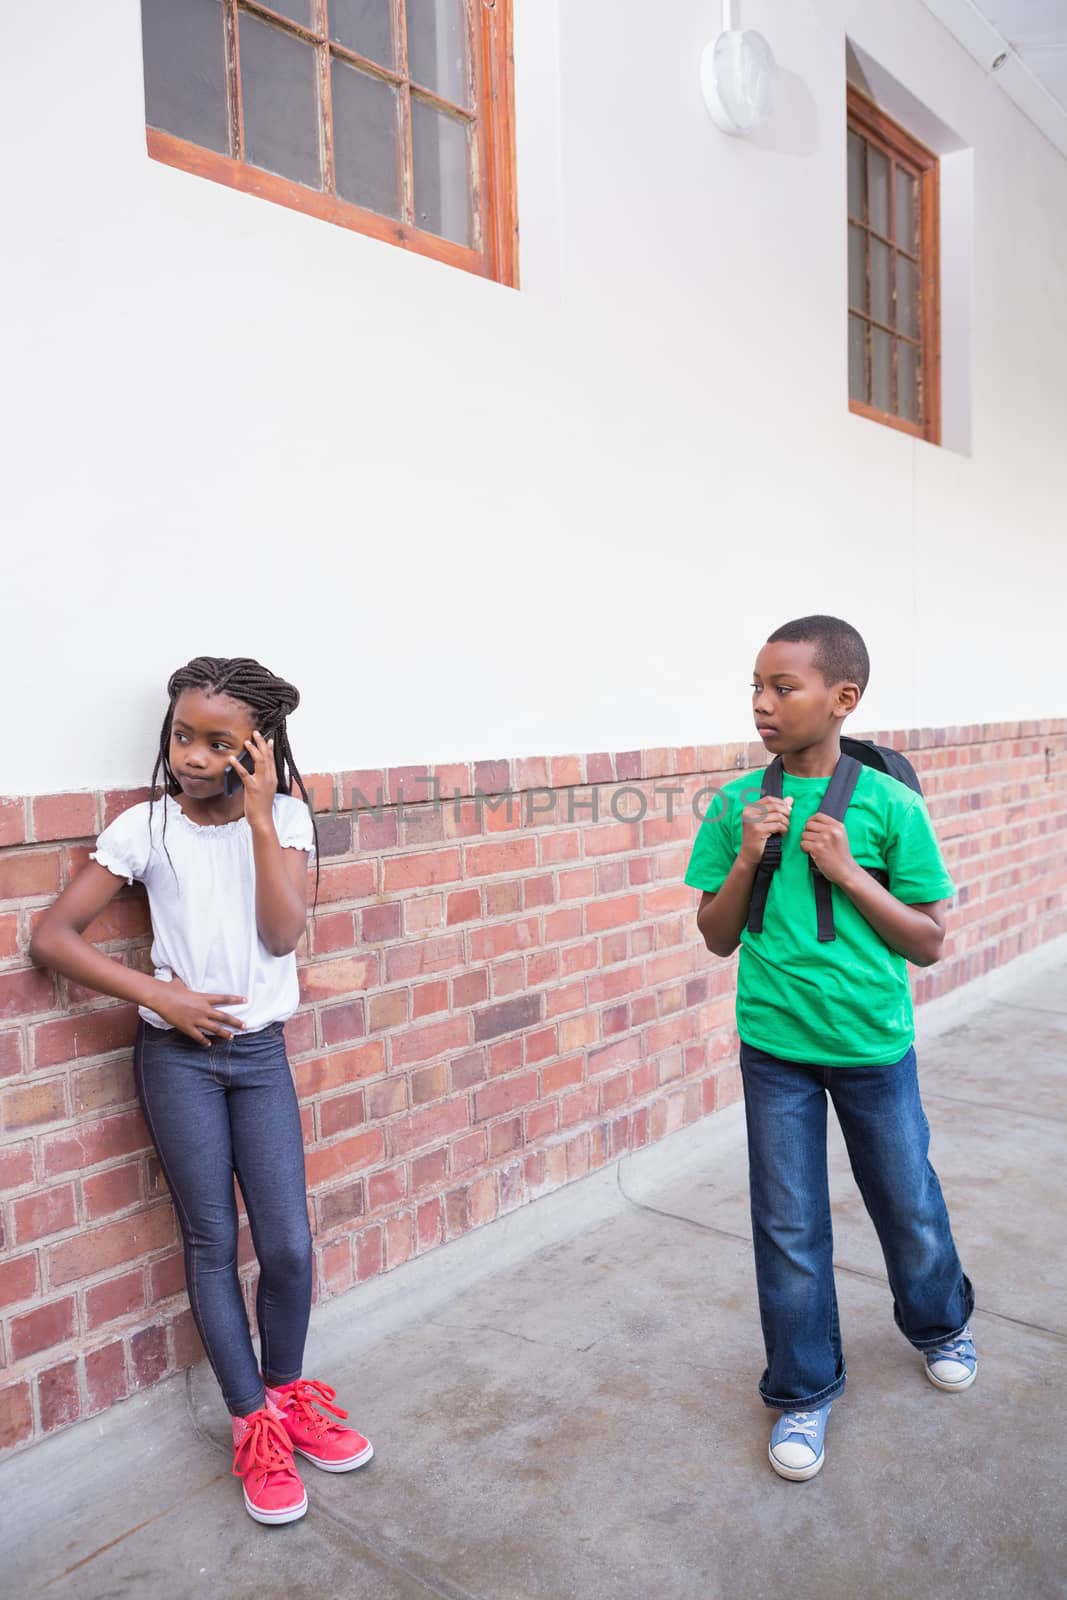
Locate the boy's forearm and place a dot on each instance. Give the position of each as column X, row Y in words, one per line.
column 722, row 920
column 906, row 929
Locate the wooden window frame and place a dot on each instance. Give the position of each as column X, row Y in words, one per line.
column 492, row 111
column 873, row 125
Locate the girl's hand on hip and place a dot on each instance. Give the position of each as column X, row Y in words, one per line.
column 261, row 785
column 196, row 1014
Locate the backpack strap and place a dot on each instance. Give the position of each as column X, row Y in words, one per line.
column 771, row 860
column 835, row 803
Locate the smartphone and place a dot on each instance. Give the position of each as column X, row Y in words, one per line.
column 231, row 782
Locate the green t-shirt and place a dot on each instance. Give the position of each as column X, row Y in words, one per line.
column 845, row 1003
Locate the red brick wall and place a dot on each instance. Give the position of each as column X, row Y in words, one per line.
column 491, row 1008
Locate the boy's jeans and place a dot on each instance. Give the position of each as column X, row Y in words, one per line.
column 887, row 1136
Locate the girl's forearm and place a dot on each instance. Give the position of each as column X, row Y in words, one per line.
column 68, row 952
column 281, row 913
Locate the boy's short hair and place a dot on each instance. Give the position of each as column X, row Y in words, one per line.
column 840, row 653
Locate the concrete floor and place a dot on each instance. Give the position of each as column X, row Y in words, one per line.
column 564, row 1404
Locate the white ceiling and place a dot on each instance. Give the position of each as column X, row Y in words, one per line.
column 1033, row 33
column 1037, row 31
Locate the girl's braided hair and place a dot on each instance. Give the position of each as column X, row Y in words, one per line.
column 269, row 698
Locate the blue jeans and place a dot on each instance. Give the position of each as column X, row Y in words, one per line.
column 887, row 1137
column 215, row 1113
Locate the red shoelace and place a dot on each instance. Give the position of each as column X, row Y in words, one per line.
column 299, row 1398
column 266, row 1446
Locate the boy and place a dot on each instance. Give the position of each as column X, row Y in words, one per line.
column 831, row 1016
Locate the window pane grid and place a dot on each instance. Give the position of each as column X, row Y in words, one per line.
column 883, row 238
column 392, row 118
column 894, row 332
column 315, row 32
column 886, row 339
column 320, row 36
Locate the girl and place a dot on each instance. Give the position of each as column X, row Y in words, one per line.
column 224, row 858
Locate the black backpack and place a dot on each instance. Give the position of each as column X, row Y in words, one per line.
column 854, row 754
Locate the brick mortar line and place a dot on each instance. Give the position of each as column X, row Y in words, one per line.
column 165, row 1309
column 910, row 741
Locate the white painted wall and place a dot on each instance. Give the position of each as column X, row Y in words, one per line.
column 469, row 522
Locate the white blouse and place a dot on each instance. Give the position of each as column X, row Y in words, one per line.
column 203, row 903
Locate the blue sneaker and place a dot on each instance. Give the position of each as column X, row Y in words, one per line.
column 953, row 1365
column 796, row 1448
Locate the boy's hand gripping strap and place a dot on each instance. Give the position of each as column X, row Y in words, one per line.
column 771, row 859
column 835, row 803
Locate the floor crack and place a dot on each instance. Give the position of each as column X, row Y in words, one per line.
column 839, row 1266
column 442, row 1588
column 437, row 1584
column 1041, row 1011
column 509, row 1333
column 676, row 1216
column 991, row 1105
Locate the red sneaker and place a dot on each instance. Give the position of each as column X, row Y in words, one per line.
column 333, row 1448
column 263, row 1458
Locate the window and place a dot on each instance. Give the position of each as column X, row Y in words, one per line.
column 391, row 117
column 893, row 274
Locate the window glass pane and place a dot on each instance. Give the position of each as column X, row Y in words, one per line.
column 908, row 380
column 882, row 370
column 907, row 296
column 878, row 190
column 299, row 10
column 441, row 159
column 364, row 26
column 857, row 359
column 881, row 297
column 280, row 93
column 437, row 47
column 855, row 175
column 857, row 267
column 907, row 212
column 365, row 140
column 185, row 70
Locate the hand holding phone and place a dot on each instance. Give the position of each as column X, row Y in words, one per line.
column 260, row 786
column 230, row 781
